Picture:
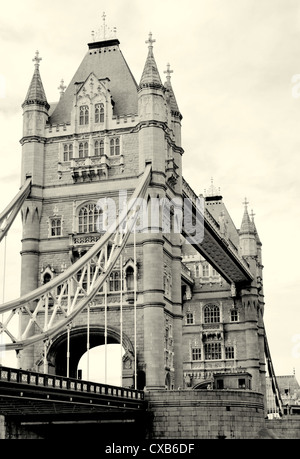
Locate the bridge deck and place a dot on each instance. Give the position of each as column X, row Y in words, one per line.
column 27, row 395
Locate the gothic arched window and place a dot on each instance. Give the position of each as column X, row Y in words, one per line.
column 234, row 315
column 83, row 149
column 99, row 113
column 115, row 146
column 68, row 151
column 129, row 278
column 87, row 218
column 83, row 115
column 99, row 148
column 115, row 281
column 211, row 314
column 205, row 270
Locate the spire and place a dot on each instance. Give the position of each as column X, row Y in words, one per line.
column 150, row 76
column 36, row 93
column 247, row 225
column 172, row 100
column 254, row 227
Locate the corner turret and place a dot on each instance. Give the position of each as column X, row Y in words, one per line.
column 35, row 115
column 247, row 235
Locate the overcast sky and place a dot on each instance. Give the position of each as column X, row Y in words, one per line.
column 233, row 63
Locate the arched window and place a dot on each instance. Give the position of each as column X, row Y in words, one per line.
column 114, row 146
column 99, row 148
column 87, row 218
column 83, row 149
column 212, row 351
column 205, row 270
column 68, row 152
column 83, row 115
column 129, row 278
column 115, row 281
column 211, row 314
column 99, row 113
column 197, row 270
column 47, row 278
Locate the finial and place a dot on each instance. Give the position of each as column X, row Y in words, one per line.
column 168, row 72
column 104, row 25
column 212, row 190
column 246, row 203
column 105, row 32
column 252, row 215
column 37, row 59
column 150, row 40
column 61, row 87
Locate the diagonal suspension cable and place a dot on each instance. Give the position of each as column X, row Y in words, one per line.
column 9, row 214
column 110, row 247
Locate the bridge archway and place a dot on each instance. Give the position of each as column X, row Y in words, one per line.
column 57, row 354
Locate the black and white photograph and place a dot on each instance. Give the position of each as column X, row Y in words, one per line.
column 149, row 222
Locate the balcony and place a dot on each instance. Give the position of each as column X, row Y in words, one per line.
column 90, row 168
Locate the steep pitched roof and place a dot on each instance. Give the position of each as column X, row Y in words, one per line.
column 36, row 93
column 150, row 75
column 105, row 60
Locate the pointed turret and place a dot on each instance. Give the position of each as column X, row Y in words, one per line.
column 35, row 115
column 150, row 76
column 247, row 234
column 152, row 109
column 175, row 115
column 36, row 93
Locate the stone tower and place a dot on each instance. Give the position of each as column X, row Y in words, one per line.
column 93, row 143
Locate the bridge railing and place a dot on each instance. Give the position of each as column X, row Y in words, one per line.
column 42, row 380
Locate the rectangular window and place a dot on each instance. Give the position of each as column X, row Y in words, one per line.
column 242, row 384
column 205, row 270
column 234, row 315
column 196, row 353
column 189, row 318
column 229, row 352
column 212, row 351
column 55, row 227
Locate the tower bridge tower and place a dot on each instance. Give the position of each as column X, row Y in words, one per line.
column 182, row 318
column 93, row 143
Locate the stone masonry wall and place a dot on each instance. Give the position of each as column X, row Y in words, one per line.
column 207, row 414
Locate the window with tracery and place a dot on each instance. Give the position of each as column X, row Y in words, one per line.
column 55, row 226
column 212, row 351
column 99, row 113
column 83, row 149
column 114, row 146
column 211, row 314
column 99, row 147
column 115, row 281
column 68, row 152
column 205, row 270
column 83, row 115
column 88, row 218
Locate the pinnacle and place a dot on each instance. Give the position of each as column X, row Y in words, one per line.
column 150, row 75
column 36, row 93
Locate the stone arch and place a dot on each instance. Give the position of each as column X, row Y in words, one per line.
column 57, row 353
